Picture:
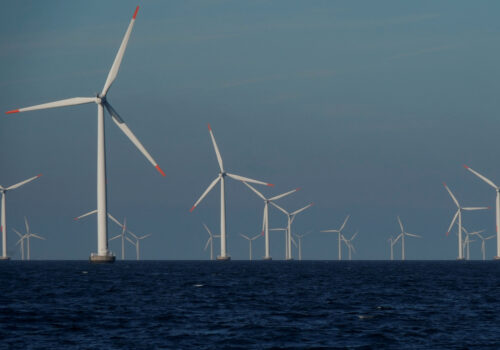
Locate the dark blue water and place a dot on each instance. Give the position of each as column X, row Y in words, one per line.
column 250, row 305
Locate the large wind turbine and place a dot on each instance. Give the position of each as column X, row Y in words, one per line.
column 250, row 240
column 103, row 254
column 290, row 217
column 210, row 241
column 497, row 209
column 339, row 231
column 3, row 225
column 459, row 215
column 402, row 236
column 265, row 218
column 221, row 177
column 27, row 236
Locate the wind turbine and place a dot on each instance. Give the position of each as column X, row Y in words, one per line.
column 27, row 236
column 221, row 178
column 339, row 231
column 3, row 225
column 459, row 215
column 21, row 241
column 122, row 235
column 483, row 243
column 291, row 218
column 467, row 241
column 137, row 241
column 299, row 237
column 349, row 244
column 497, row 213
column 103, row 254
column 250, row 240
column 265, row 218
column 210, row 241
column 402, row 236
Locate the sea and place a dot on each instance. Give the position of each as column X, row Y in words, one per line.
column 250, row 305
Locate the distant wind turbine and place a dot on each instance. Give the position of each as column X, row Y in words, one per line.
column 402, row 237
column 103, row 254
column 265, row 218
column 497, row 209
column 468, row 241
column 137, row 242
column 27, row 236
column 483, row 243
column 291, row 218
column 391, row 242
column 3, row 225
column 121, row 235
column 299, row 238
column 339, row 231
column 349, row 244
column 458, row 215
column 210, row 241
column 21, row 242
column 221, row 178
column 250, row 240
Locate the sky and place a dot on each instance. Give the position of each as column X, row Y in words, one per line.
column 367, row 106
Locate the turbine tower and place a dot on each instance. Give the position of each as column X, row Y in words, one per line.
column 339, row 231
column 459, row 215
column 497, row 209
column 21, row 241
column 291, row 218
column 103, row 254
column 221, row 178
column 121, row 235
column 391, row 242
column 402, row 236
column 468, row 241
column 299, row 237
column 349, row 244
column 137, row 242
column 3, row 225
column 250, row 240
column 265, row 218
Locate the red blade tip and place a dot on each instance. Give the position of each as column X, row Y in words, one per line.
column 489, row 208
column 159, row 169
column 39, row 175
column 298, row 189
column 209, row 128
column 75, row 218
column 444, row 184
column 262, row 234
column 135, row 13
column 13, row 111
column 271, row 185
column 191, row 210
column 466, row 167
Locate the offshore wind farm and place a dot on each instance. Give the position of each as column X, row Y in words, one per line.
column 299, row 201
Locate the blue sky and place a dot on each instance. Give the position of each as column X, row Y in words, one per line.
column 368, row 107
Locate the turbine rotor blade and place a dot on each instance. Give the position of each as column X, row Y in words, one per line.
column 19, row 184
column 283, row 194
column 401, row 225
column 115, row 237
column 242, row 235
column 125, row 129
column 208, row 242
column 345, row 222
column 27, row 225
column 209, row 188
column 453, row 221
column 304, row 208
column 485, row 179
column 280, row 208
column 128, row 239
column 451, row 195
column 246, row 179
column 18, row 233
column 37, row 236
column 476, row 208
column 61, row 103
column 208, row 230
column 86, row 214
column 255, row 191
column 119, row 56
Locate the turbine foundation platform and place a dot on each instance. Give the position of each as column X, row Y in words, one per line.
column 101, row 259
column 496, row 258
column 223, row 258
column 267, row 258
column 4, row 258
column 289, row 259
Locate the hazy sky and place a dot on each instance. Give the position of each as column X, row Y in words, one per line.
column 367, row 106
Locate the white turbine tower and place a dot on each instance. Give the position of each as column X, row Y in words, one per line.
column 221, row 177
column 265, row 218
column 210, row 241
column 483, row 243
column 459, row 215
column 497, row 209
column 250, row 240
column 285, row 230
column 391, row 242
column 468, row 241
column 3, row 224
column 137, row 242
column 27, row 236
column 349, row 244
column 21, row 241
column 291, row 218
column 402, row 236
column 121, row 235
column 299, row 237
column 103, row 254
column 339, row 231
